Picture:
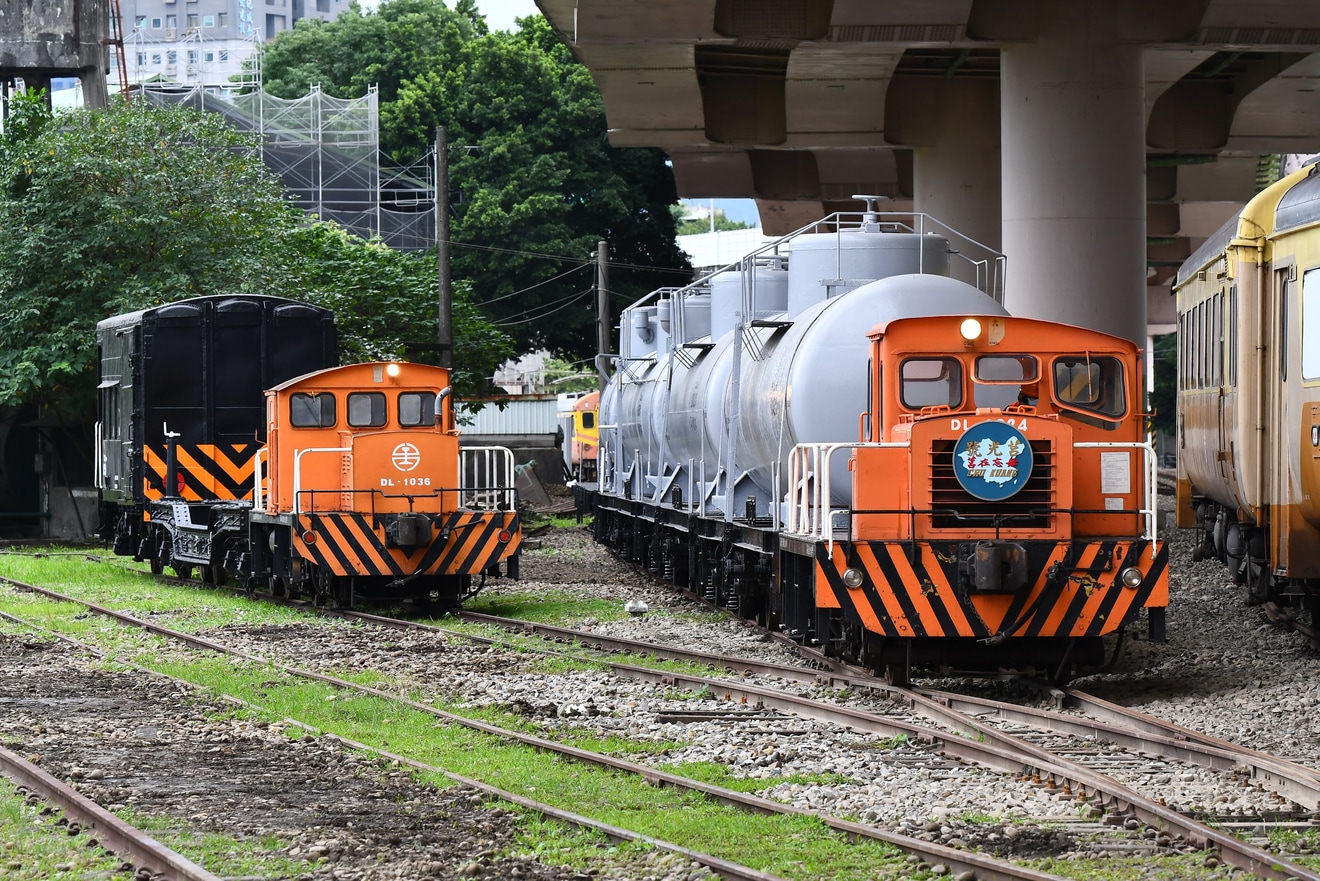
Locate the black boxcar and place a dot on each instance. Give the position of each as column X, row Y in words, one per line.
column 192, row 372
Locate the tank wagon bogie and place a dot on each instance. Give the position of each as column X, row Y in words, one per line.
column 958, row 488
column 1248, row 415
column 230, row 443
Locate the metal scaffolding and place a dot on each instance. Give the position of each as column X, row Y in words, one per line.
column 327, row 152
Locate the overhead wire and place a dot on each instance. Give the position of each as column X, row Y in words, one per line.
column 557, row 306
column 537, row 285
column 566, row 259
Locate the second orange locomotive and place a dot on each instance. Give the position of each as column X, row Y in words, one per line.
column 344, row 484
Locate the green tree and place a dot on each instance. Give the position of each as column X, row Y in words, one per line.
column 103, row 212
column 1164, row 396
column 534, row 181
column 386, row 302
column 110, row 211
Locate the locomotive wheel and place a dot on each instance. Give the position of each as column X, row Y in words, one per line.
column 208, row 574
column 183, row 570
column 155, row 564
column 898, row 674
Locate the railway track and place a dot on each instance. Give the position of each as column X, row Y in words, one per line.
column 1010, row 751
column 144, row 853
column 975, row 720
column 964, row 863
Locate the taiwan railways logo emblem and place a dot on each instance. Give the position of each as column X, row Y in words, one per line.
column 406, row 457
column 992, row 461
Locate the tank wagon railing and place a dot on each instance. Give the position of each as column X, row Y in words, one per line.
column 810, row 513
column 988, row 271
column 1150, row 465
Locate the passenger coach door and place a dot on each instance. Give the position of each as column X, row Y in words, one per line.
column 1276, row 381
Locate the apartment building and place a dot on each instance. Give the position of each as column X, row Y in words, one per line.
column 205, row 42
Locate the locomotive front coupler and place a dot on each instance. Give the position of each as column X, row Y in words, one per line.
column 994, row 566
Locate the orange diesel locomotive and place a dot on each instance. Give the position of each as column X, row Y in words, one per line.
column 958, row 489
column 368, row 494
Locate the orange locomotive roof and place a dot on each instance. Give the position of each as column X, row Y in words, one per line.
column 368, row 374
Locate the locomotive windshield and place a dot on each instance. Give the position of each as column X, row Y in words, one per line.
column 1000, row 379
column 931, row 382
column 416, row 408
column 312, row 411
column 1092, row 384
column 366, row 410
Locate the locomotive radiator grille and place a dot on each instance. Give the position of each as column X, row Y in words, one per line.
column 954, row 508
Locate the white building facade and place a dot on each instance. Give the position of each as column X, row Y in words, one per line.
column 204, row 42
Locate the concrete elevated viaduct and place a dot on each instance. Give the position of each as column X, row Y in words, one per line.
column 40, row 40
column 1095, row 142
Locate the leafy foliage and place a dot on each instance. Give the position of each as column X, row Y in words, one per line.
column 1164, row 395
column 111, row 211
column 533, row 179
column 386, row 302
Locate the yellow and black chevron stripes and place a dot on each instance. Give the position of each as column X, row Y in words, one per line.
column 347, row 544
column 914, row 589
column 207, row 472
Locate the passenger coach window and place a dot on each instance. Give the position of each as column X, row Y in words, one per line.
column 416, row 408
column 366, row 410
column 931, row 382
column 1311, row 324
column 1091, row 384
column 312, row 411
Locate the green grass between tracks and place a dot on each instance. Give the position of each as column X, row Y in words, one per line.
column 796, row 848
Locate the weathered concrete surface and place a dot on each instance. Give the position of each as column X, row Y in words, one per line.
column 40, row 39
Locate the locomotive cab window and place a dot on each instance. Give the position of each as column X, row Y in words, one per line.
column 931, row 382
column 588, row 420
column 366, row 410
column 1090, row 384
column 1001, row 380
column 416, row 408
column 312, row 411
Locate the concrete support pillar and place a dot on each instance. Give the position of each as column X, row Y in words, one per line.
column 1074, row 194
column 956, row 178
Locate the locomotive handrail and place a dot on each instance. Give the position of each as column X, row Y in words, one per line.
column 258, row 497
column 1151, row 463
column 809, row 510
column 491, row 463
column 297, row 471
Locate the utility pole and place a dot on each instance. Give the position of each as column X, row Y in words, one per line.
column 602, row 308
column 446, row 319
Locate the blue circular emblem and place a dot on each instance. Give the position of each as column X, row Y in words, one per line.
column 992, row 461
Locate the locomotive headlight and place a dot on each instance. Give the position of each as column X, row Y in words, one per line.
column 1131, row 577
column 392, row 369
column 970, row 329
column 852, row 577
